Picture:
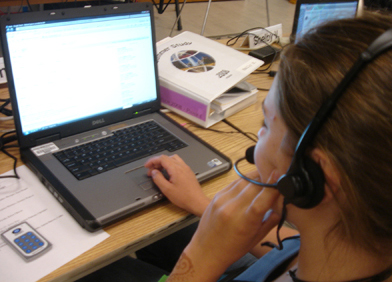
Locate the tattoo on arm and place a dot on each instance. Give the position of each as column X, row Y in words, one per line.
column 183, row 270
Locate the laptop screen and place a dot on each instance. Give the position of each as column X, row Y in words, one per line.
column 312, row 13
column 67, row 70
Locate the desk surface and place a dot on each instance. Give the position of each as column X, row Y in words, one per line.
column 162, row 219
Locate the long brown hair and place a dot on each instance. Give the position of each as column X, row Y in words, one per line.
column 358, row 134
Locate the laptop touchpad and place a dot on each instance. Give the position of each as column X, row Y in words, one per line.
column 139, row 177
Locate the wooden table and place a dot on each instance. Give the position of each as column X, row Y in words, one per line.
column 153, row 223
column 163, row 218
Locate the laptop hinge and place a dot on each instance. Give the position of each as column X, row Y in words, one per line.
column 148, row 110
column 47, row 139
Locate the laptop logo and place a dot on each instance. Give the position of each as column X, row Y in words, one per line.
column 98, row 121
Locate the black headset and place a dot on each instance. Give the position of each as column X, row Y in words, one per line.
column 303, row 183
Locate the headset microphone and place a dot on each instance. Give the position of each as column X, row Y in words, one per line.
column 249, row 154
column 302, row 185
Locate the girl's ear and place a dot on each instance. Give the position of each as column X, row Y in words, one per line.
column 331, row 174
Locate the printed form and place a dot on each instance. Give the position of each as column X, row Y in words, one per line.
column 26, row 199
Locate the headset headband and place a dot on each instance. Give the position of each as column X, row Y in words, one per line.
column 377, row 47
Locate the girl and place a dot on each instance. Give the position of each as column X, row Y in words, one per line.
column 347, row 235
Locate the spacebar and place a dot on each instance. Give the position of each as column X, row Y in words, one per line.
column 130, row 158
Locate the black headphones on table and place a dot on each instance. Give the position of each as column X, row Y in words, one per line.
column 303, row 183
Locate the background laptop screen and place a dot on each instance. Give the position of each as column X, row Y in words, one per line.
column 72, row 69
column 313, row 14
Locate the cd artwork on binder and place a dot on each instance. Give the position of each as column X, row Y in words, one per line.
column 193, row 61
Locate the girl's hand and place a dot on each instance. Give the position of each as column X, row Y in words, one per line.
column 235, row 221
column 181, row 188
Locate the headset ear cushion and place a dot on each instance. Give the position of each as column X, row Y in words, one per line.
column 313, row 184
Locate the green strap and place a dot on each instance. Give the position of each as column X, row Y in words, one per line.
column 163, row 278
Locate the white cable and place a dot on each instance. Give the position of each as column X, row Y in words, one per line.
column 6, row 118
column 6, row 130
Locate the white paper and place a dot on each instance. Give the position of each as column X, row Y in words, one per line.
column 3, row 77
column 258, row 38
column 222, row 103
column 28, row 200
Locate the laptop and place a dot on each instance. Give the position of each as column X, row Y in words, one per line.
column 84, row 89
column 310, row 13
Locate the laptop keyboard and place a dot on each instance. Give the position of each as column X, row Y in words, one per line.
column 124, row 146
